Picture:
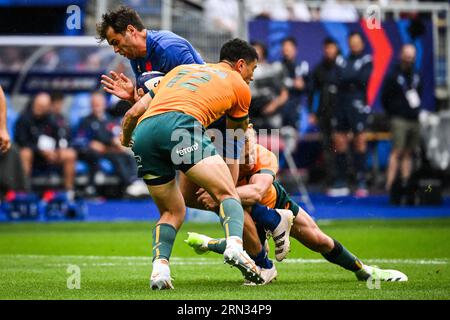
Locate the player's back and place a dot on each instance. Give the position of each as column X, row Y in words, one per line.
column 204, row 91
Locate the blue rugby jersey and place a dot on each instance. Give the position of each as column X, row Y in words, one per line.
column 165, row 51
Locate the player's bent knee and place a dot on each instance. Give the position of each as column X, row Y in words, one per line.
column 175, row 219
column 68, row 155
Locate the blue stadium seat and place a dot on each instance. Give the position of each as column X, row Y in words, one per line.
column 81, row 168
column 106, row 166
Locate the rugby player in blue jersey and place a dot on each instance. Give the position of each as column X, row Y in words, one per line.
column 147, row 50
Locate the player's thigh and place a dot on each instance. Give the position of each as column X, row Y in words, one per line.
column 169, row 201
column 201, row 163
column 303, row 223
column 213, row 175
column 152, row 152
column 307, row 232
column 189, row 190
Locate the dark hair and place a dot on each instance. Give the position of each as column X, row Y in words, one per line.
column 57, row 96
column 236, row 49
column 262, row 46
column 354, row 33
column 291, row 40
column 118, row 20
column 328, row 41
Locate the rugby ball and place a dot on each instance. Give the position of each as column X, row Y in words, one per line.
column 149, row 80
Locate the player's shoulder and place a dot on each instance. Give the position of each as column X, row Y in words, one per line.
column 165, row 38
column 161, row 34
column 265, row 160
column 264, row 154
column 238, row 82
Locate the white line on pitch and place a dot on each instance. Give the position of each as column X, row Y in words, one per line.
column 141, row 260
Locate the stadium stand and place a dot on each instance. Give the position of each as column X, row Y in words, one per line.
column 73, row 65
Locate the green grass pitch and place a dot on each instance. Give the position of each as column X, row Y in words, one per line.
column 115, row 263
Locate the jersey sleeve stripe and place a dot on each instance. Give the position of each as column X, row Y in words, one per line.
column 267, row 171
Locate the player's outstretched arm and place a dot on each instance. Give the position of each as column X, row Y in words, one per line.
column 119, row 85
column 131, row 118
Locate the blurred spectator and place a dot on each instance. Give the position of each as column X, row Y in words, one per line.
column 12, row 59
column 351, row 117
column 11, row 173
column 95, row 139
column 401, row 101
column 221, row 15
column 5, row 140
column 298, row 10
column 336, row 10
column 64, row 133
column 93, row 62
column 268, row 91
column 267, row 9
column 70, row 58
column 323, row 97
column 37, row 135
column 295, row 80
column 48, row 62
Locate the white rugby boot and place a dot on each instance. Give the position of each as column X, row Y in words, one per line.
column 160, row 278
column 376, row 273
column 281, row 234
column 235, row 256
column 268, row 276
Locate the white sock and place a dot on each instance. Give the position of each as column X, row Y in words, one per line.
column 234, row 241
column 161, row 266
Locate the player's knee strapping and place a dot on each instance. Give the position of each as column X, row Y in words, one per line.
column 232, row 217
column 342, row 257
column 163, row 238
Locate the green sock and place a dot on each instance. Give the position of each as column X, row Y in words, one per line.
column 217, row 245
column 163, row 238
column 342, row 257
column 232, row 217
